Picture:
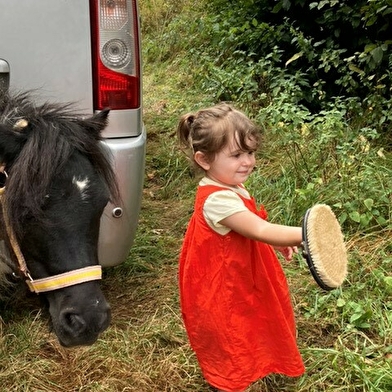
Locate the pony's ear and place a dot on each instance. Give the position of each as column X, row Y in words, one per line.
column 11, row 144
column 96, row 124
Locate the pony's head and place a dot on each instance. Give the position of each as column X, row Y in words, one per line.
column 59, row 182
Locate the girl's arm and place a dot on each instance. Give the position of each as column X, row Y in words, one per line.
column 252, row 226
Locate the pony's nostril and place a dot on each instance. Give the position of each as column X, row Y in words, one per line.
column 72, row 322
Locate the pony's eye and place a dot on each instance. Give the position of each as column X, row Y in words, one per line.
column 45, row 201
column 3, row 179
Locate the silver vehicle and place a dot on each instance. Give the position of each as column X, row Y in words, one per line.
column 86, row 52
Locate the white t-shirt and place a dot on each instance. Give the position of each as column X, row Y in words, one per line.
column 221, row 204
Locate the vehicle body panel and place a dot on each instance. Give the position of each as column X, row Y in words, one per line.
column 47, row 45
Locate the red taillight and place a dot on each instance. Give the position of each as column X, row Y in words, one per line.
column 115, row 46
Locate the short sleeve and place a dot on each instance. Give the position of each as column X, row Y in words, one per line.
column 220, row 205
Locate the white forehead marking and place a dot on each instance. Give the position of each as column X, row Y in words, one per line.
column 82, row 185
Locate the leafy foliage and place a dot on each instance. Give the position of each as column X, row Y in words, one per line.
column 333, row 48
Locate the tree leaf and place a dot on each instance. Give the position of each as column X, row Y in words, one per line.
column 340, row 302
column 293, row 58
column 369, row 204
column 286, row 4
column 354, row 68
column 355, row 216
column 377, row 54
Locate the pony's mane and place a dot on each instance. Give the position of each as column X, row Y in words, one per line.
column 54, row 132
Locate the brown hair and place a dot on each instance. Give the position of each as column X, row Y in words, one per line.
column 209, row 130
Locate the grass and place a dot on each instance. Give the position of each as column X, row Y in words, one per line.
column 345, row 336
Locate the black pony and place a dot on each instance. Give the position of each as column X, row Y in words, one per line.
column 56, row 179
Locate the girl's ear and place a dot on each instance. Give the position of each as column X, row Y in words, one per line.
column 202, row 160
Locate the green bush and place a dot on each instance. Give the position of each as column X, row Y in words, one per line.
column 336, row 48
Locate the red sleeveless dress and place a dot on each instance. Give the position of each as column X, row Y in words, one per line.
column 235, row 304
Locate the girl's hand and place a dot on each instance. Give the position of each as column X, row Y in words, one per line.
column 287, row 251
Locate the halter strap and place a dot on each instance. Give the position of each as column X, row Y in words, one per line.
column 50, row 283
column 11, row 235
column 66, row 279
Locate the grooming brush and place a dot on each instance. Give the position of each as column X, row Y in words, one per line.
column 323, row 247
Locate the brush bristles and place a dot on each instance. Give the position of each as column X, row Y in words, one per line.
column 326, row 245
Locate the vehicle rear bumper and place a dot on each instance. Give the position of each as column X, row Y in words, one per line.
column 117, row 233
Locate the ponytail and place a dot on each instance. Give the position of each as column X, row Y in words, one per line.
column 184, row 130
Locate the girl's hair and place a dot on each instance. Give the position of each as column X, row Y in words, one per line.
column 209, row 130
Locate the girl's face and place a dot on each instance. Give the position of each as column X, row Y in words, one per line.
column 231, row 165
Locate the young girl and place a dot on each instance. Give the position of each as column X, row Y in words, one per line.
column 234, row 296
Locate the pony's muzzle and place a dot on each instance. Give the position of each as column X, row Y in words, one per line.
column 76, row 324
column 82, row 328
column 79, row 314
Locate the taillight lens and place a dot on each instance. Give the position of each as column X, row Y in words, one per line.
column 116, row 63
